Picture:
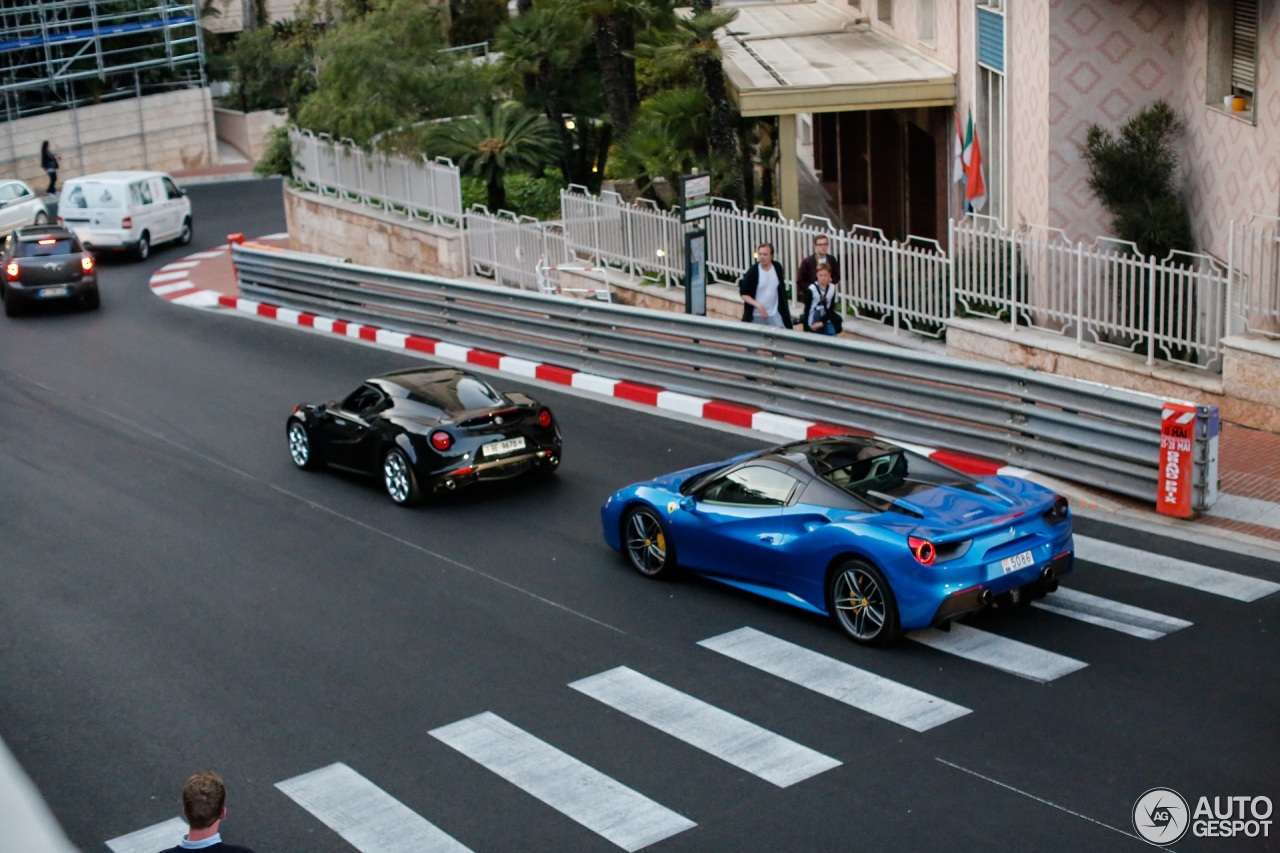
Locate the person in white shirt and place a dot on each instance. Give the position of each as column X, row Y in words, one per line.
column 764, row 294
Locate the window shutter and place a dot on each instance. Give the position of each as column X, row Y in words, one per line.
column 1244, row 45
column 991, row 38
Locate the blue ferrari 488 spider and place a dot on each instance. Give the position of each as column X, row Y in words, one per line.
column 882, row 539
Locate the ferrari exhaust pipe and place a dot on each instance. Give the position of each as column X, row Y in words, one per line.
column 984, row 597
column 1048, row 573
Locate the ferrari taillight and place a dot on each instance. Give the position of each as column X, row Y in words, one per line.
column 11, row 270
column 441, row 440
column 922, row 550
column 544, row 418
column 86, row 263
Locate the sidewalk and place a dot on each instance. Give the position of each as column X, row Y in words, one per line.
column 1247, row 511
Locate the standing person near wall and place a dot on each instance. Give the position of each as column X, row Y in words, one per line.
column 49, row 162
column 807, row 274
column 204, row 800
column 764, row 295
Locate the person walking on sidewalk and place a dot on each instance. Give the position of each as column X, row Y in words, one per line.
column 49, row 162
column 204, row 807
column 764, row 296
column 822, row 316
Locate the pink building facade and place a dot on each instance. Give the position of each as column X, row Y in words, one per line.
column 1037, row 73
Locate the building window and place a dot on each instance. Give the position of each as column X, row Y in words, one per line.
column 926, row 20
column 990, row 113
column 884, row 11
column 1233, row 55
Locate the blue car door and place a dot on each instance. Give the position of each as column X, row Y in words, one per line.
column 734, row 525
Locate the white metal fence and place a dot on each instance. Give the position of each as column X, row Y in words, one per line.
column 1255, row 275
column 415, row 187
column 509, row 248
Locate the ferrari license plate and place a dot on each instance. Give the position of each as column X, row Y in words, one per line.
column 498, row 448
column 46, row 292
column 1017, row 561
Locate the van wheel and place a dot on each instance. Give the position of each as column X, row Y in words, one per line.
column 184, row 236
column 144, row 247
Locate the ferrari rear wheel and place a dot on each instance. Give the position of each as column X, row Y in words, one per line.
column 647, row 545
column 398, row 476
column 300, row 448
column 862, row 603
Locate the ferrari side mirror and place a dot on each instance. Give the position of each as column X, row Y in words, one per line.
column 688, row 503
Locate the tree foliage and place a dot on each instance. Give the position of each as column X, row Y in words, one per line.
column 475, row 21
column 384, row 69
column 1135, row 176
column 271, row 67
column 496, row 140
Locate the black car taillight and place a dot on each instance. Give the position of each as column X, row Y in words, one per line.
column 86, row 263
column 441, row 440
column 1057, row 513
column 11, row 270
column 544, row 418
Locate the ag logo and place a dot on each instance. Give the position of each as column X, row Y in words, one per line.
column 1161, row 816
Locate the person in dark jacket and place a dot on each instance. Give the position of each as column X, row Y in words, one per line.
column 49, row 162
column 808, row 272
column 204, row 799
column 764, row 294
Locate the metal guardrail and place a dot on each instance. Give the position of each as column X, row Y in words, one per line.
column 1081, row 431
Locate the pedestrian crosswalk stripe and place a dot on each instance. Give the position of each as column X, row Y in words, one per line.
column 162, row 836
column 743, row 744
column 624, row 816
column 1000, row 652
column 1115, row 615
column 843, row 682
column 1172, row 570
column 367, row 817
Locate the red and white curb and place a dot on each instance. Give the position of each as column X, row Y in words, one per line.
column 172, row 282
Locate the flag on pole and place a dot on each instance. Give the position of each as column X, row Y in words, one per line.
column 957, row 166
column 975, row 192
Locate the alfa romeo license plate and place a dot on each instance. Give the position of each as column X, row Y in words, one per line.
column 1017, row 561
column 498, row 448
column 46, row 292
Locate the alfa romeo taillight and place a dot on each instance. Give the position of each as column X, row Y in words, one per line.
column 544, row 418
column 441, row 440
column 922, row 550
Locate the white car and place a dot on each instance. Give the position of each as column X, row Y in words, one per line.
column 19, row 205
column 130, row 211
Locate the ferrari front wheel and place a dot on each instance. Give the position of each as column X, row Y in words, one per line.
column 648, row 547
column 398, row 476
column 862, row 603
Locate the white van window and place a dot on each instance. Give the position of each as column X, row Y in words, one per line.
column 84, row 196
column 141, row 192
column 171, row 189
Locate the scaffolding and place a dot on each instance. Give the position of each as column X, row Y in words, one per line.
column 59, row 54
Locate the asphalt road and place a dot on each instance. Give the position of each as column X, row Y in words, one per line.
column 175, row 594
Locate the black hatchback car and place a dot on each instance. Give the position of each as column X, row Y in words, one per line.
column 426, row 430
column 45, row 264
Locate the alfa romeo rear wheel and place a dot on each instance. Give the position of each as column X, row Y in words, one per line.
column 648, row 547
column 300, row 448
column 398, row 476
column 862, row 603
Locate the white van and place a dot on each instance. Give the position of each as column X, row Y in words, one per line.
column 125, row 210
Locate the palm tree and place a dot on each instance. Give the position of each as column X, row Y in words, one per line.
column 497, row 139
column 701, row 41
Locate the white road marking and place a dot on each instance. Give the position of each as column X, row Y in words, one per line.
column 162, row 277
column 780, row 425
column 866, row 691
column 172, row 287
column 590, row 382
column 1115, row 615
column 452, row 352
column 605, row 806
column 1172, row 570
column 390, row 338
column 367, row 817
column 198, row 299
column 322, row 324
column 211, row 253
column 1002, row 653
column 162, row 836
column 730, row 738
column 518, row 366
column 179, row 265
column 685, row 404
